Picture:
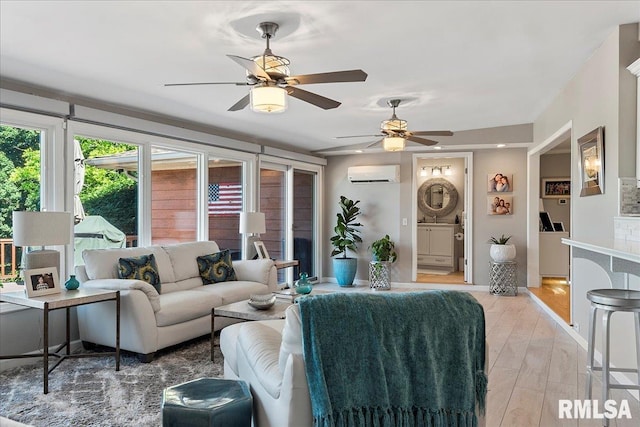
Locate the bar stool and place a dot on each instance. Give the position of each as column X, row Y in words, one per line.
column 610, row 301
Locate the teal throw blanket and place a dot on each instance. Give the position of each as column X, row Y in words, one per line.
column 397, row 359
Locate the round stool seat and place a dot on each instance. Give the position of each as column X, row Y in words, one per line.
column 619, row 298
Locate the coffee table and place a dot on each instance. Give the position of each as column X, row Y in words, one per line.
column 242, row 310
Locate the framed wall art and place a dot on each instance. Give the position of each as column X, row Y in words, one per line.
column 591, row 152
column 500, row 205
column 499, row 182
column 556, row 188
column 41, row 281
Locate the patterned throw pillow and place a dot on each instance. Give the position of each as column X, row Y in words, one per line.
column 216, row 267
column 141, row 268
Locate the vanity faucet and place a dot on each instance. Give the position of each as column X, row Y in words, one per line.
column 435, row 219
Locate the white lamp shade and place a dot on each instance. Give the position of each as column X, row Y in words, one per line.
column 41, row 228
column 268, row 99
column 393, row 144
column 252, row 222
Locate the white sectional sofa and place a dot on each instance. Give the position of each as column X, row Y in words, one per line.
column 268, row 355
column 150, row 320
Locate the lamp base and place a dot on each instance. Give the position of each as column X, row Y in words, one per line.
column 43, row 258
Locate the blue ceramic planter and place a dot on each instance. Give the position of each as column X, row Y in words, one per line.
column 345, row 270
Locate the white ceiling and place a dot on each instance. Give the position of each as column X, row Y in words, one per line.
column 460, row 65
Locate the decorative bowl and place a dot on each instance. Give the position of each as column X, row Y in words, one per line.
column 262, row 302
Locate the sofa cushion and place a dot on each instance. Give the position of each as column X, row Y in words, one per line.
column 217, row 267
column 291, row 336
column 142, row 267
column 234, row 291
column 260, row 344
column 179, row 307
column 103, row 263
column 182, row 257
column 229, row 340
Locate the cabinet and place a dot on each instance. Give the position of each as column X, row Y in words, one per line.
column 435, row 245
column 554, row 255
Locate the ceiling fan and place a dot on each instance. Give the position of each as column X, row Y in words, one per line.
column 395, row 132
column 268, row 76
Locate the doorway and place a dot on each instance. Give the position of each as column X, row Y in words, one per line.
column 442, row 205
column 550, row 221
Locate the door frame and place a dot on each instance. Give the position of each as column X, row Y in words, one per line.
column 467, row 218
column 533, row 217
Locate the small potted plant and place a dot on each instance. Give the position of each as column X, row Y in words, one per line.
column 501, row 250
column 382, row 254
column 346, row 238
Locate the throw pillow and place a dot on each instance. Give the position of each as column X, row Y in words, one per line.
column 141, row 268
column 216, row 267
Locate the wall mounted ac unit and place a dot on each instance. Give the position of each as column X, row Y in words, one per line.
column 373, row 174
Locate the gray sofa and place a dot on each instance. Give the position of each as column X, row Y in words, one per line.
column 150, row 320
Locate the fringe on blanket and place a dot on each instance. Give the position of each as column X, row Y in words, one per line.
column 397, row 417
column 481, row 390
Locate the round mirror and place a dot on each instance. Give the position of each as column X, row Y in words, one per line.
column 437, row 197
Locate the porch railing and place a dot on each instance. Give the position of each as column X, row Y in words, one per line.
column 8, row 259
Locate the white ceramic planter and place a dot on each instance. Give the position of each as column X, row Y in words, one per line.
column 503, row 253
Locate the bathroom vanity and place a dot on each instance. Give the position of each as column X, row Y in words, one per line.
column 436, row 245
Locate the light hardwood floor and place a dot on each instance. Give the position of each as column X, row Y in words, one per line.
column 533, row 363
column 556, row 294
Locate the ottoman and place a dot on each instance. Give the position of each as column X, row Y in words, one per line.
column 207, row 402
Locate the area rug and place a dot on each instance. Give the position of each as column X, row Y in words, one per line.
column 89, row 392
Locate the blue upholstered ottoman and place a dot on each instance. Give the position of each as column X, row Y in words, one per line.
column 207, row 402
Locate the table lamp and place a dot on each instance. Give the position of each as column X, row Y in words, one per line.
column 252, row 223
column 41, row 229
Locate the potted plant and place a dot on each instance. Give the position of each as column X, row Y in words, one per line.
column 383, row 254
column 346, row 238
column 501, row 250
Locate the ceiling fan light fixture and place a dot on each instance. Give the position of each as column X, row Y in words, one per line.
column 394, row 124
column 393, row 143
column 268, row 99
column 275, row 66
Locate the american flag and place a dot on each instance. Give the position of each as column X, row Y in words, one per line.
column 225, row 199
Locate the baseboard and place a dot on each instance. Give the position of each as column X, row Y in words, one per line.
column 15, row 363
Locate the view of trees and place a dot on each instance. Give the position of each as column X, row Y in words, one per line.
column 106, row 192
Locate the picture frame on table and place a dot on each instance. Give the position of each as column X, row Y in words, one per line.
column 41, row 281
column 261, row 249
column 591, row 154
column 556, row 188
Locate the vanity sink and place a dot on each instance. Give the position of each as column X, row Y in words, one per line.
column 434, row 224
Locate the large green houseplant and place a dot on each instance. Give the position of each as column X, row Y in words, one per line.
column 346, row 238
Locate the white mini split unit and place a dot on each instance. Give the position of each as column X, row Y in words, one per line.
column 374, row 174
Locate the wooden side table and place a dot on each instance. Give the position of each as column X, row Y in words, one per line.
column 503, row 278
column 281, row 264
column 65, row 299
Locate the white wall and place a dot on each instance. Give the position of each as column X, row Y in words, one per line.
column 385, row 205
column 598, row 96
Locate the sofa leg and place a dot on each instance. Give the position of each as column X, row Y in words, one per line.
column 146, row 358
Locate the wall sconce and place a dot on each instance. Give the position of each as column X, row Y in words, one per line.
column 423, row 171
column 436, row 171
column 448, row 171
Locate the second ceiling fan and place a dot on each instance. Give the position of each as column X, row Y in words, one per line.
column 395, row 132
column 268, row 76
